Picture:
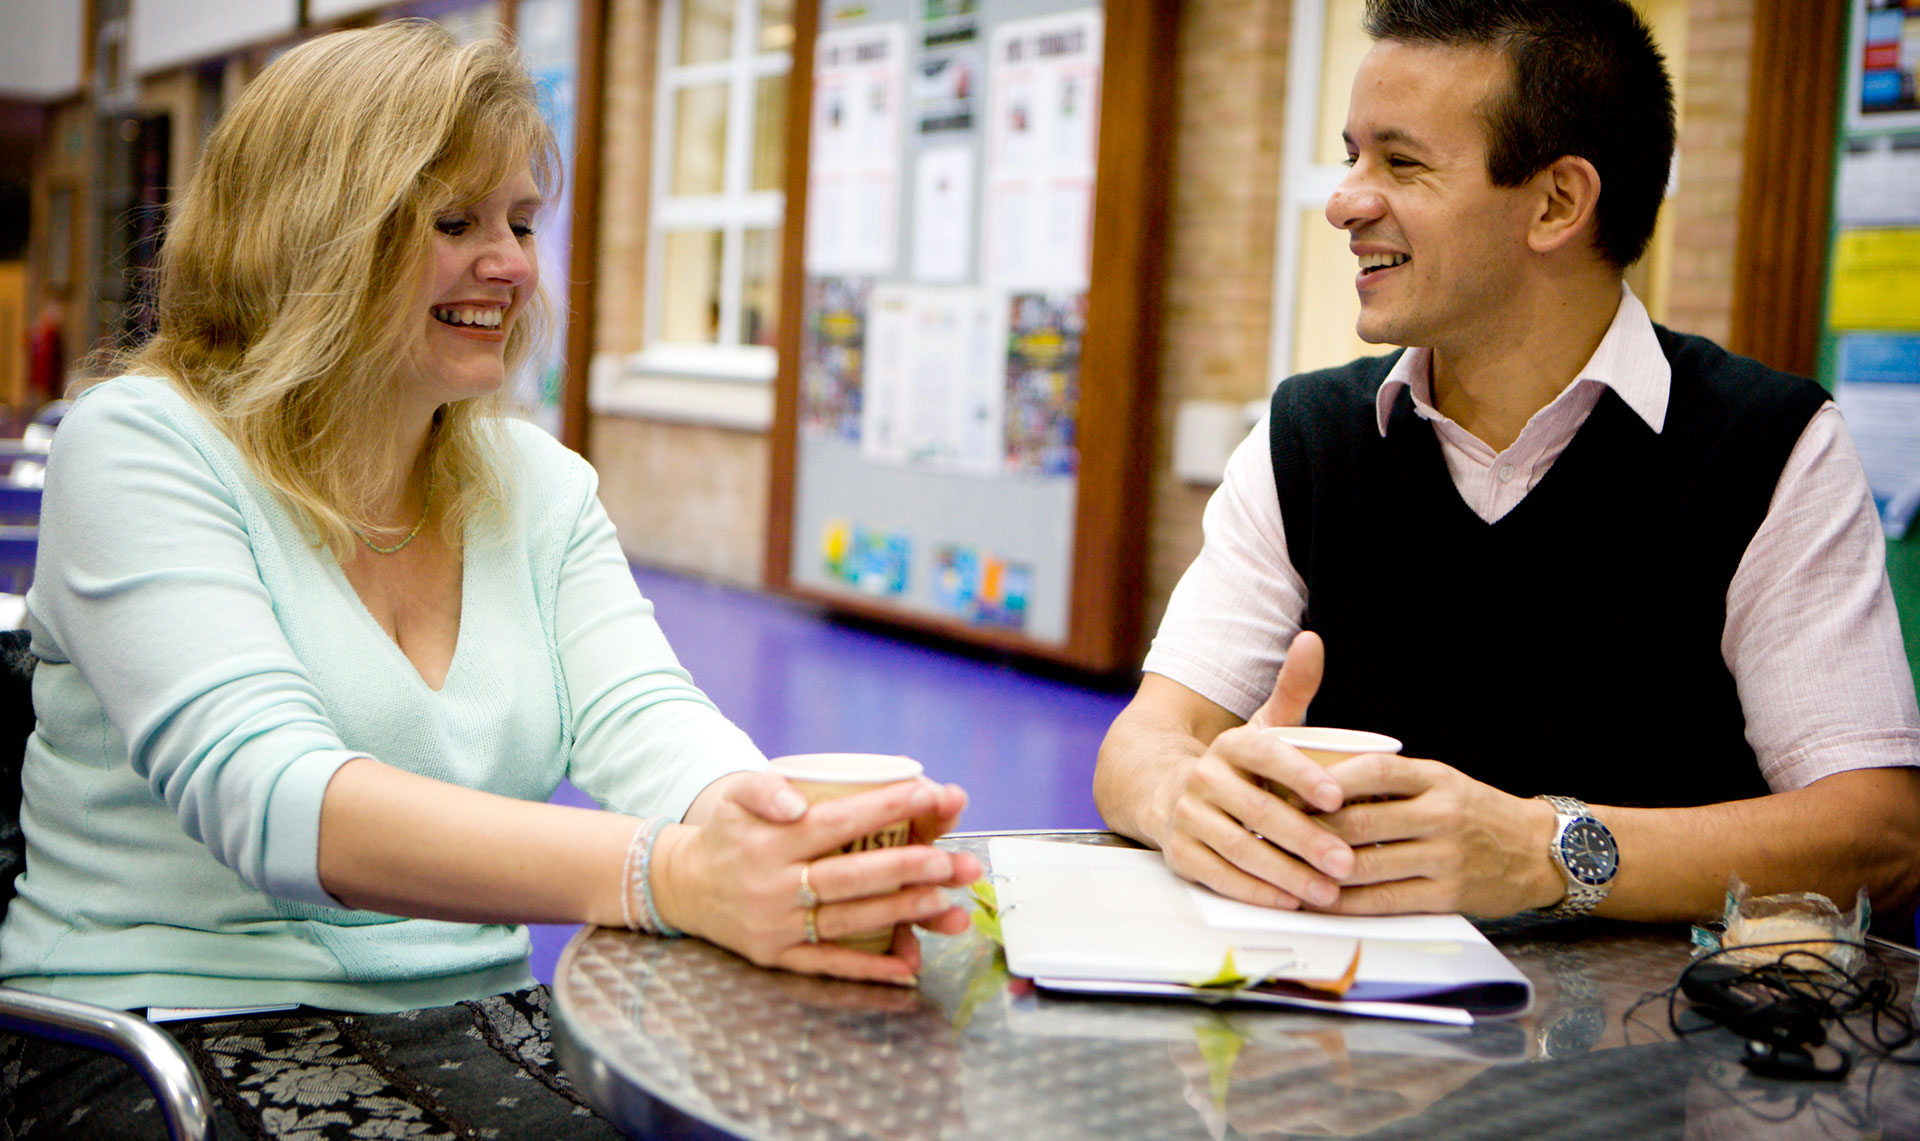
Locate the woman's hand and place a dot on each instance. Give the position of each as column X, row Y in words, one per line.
column 734, row 879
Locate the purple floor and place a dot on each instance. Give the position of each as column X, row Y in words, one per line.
column 798, row 682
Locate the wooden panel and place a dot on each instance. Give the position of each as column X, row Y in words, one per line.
column 1122, row 347
column 1780, row 256
column 13, row 332
column 585, row 253
column 793, row 300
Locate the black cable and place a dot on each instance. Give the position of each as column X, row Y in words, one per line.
column 1787, row 1004
column 1835, row 996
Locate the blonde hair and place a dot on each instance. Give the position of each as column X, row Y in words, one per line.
column 290, row 278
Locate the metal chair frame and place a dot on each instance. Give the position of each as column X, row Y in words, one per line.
column 182, row 1096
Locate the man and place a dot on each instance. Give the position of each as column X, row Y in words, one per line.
column 1551, row 548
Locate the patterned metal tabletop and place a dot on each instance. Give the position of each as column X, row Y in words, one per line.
column 678, row 1038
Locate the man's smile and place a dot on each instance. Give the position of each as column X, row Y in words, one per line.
column 1374, row 263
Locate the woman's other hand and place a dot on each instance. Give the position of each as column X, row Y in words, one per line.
column 734, row 879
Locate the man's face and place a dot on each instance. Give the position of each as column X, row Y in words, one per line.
column 1439, row 245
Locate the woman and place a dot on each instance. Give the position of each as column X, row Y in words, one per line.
column 319, row 632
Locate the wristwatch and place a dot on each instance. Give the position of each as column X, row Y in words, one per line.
column 1584, row 851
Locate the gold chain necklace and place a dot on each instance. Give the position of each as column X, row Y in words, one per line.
column 424, row 512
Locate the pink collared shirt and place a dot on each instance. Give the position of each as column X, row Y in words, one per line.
column 1812, row 637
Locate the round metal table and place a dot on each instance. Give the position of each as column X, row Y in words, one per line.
column 677, row 1038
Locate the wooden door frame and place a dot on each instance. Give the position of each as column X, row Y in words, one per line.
column 1780, row 253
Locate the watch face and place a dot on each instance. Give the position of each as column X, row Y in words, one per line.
column 1587, row 849
column 1575, row 1032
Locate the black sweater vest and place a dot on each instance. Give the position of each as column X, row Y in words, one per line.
column 1574, row 645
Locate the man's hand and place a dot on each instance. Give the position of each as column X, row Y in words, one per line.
column 1255, row 820
column 1439, row 841
column 1221, row 827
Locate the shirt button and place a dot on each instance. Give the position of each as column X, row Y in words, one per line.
column 1506, row 473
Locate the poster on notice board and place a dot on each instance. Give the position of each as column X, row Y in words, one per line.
column 854, row 176
column 1873, row 296
column 1883, row 61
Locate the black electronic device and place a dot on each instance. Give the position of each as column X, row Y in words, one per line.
column 1785, row 1010
column 1777, row 1016
column 1784, row 1028
column 1808, row 1063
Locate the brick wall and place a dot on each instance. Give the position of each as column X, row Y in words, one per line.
column 626, row 155
column 1231, row 70
column 1705, row 208
column 683, row 496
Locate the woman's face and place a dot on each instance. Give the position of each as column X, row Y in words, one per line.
column 480, row 276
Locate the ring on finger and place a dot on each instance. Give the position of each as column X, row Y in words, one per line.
column 813, row 932
column 806, row 897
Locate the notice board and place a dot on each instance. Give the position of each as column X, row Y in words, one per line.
column 1871, row 337
column 975, row 197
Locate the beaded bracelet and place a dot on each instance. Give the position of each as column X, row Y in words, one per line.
column 637, row 908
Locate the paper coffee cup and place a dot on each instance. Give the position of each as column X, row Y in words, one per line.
column 1325, row 746
column 830, row 776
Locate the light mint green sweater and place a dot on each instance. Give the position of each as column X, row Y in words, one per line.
column 204, row 670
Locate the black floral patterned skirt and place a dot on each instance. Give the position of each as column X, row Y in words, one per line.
column 481, row 1069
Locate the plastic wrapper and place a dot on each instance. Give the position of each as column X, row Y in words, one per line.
column 1803, row 929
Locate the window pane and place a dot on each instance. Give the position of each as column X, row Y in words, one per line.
column 699, row 139
column 770, row 133
column 759, row 287
column 690, row 287
column 1324, row 317
column 706, row 30
column 1346, row 45
column 776, row 25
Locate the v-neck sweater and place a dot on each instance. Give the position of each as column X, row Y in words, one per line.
column 1812, row 636
column 205, row 668
column 1609, row 580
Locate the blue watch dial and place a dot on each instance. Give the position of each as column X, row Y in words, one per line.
column 1587, row 849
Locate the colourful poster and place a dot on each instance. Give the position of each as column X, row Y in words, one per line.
column 871, row 561
column 1043, row 383
column 1879, row 395
column 549, row 42
column 831, row 359
column 1883, row 66
column 944, row 87
column 1876, row 280
column 980, row 587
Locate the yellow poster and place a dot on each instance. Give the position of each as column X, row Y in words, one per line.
column 1876, row 280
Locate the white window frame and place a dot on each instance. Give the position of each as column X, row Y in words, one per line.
column 733, row 211
column 1304, row 184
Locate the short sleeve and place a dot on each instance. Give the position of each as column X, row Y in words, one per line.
column 1235, row 611
column 1812, row 636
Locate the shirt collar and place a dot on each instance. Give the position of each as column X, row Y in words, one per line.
column 1629, row 361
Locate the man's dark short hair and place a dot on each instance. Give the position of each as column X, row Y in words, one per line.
column 1586, row 80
